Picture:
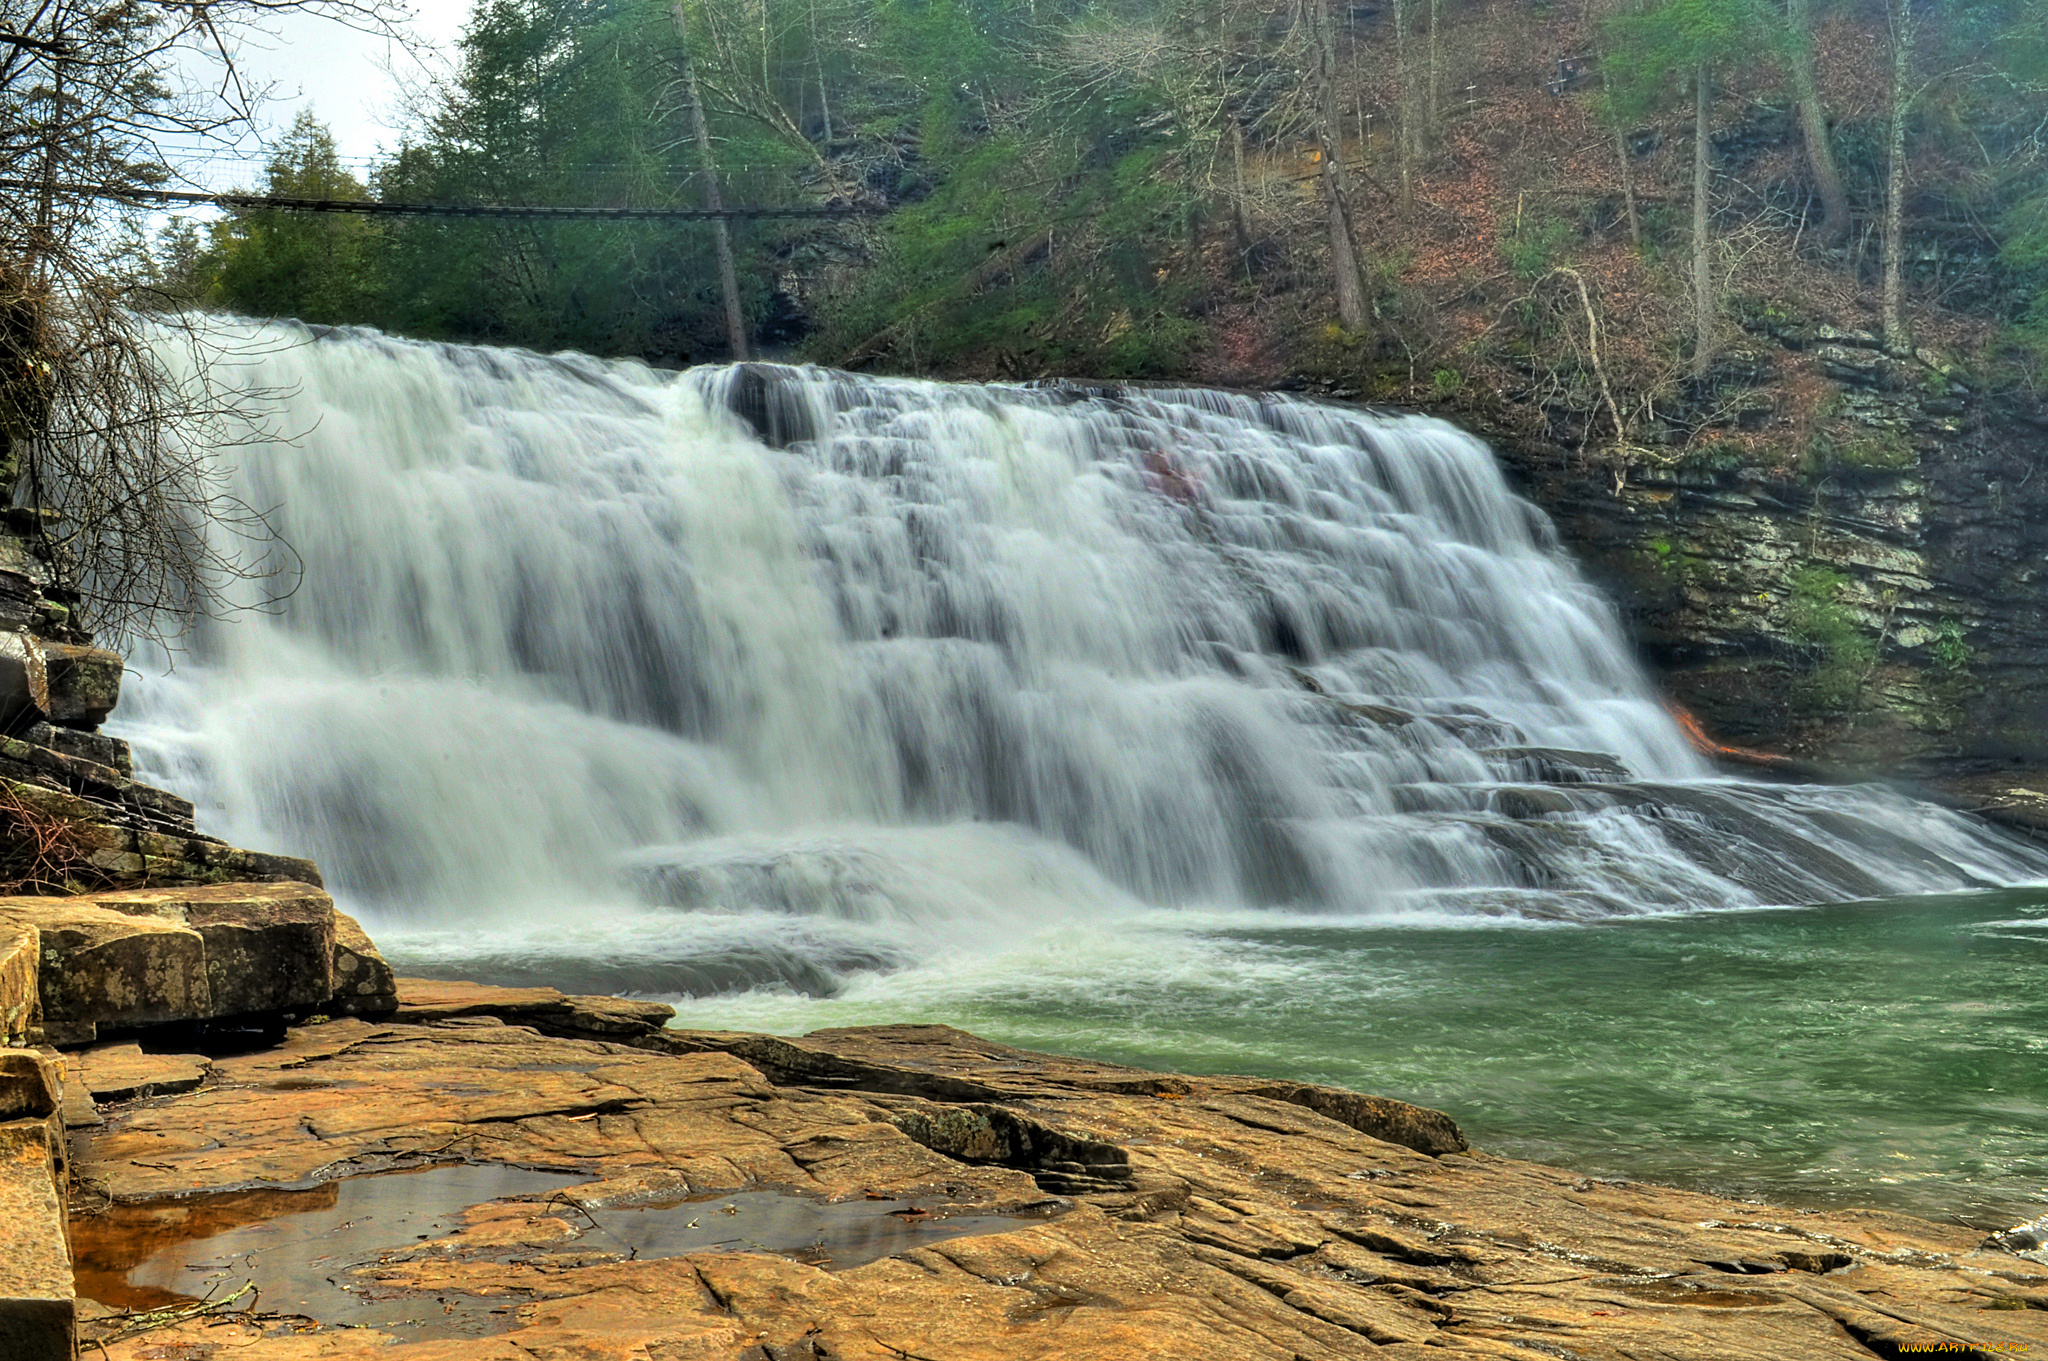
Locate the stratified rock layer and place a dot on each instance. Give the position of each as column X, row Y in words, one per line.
column 127, row 832
column 1156, row 1216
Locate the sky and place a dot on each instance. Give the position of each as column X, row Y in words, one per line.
column 353, row 82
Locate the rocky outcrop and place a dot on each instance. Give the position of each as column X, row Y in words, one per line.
column 72, row 815
column 1838, row 558
column 136, row 962
column 1028, row 1206
column 111, row 827
column 940, row 1063
column 84, row 684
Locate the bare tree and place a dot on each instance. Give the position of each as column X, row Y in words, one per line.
column 1349, row 291
column 1704, row 307
column 1900, row 14
column 707, row 159
column 1813, row 124
column 104, row 440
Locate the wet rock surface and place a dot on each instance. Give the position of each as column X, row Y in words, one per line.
column 1119, row 1213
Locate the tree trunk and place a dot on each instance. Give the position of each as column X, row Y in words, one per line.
column 1350, row 292
column 1628, row 189
column 824, row 95
column 1702, row 263
column 1409, row 135
column 1436, row 22
column 43, row 238
column 1628, row 174
column 1813, row 123
column 1895, row 337
column 721, row 230
column 1239, row 222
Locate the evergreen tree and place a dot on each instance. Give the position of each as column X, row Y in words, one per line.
column 319, row 267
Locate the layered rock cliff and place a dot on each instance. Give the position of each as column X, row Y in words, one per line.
column 1851, row 573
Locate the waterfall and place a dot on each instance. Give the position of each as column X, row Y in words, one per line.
column 814, row 670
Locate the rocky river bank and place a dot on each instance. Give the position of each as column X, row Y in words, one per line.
column 474, row 1172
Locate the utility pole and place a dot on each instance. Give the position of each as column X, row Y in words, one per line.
column 721, row 233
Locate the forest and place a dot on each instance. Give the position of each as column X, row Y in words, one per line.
column 1559, row 216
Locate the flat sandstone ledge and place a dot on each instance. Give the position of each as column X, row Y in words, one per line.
column 1154, row 1215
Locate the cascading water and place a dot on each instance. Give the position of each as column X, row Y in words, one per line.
column 1197, row 730
column 769, row 675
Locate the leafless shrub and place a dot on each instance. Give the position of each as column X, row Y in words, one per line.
column 42, row 852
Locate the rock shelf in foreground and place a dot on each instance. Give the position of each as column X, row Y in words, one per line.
column 1147, row 1215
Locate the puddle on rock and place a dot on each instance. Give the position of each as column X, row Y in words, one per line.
column 296, row 1246
column 341, row 1252
column 840, row 1235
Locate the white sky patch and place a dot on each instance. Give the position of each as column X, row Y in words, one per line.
column 356, row 83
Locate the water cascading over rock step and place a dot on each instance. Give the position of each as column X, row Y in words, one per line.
column 836, row 667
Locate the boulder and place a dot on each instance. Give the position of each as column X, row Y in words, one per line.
column 269, row 947
column 363, row 984
column 100, row 967
column 84, row 684
column 141, row 957
column 773, row 402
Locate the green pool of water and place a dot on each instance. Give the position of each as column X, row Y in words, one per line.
column 1874, row 1053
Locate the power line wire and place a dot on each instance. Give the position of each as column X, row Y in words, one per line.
column 379, row 208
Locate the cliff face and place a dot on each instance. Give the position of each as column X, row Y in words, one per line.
column 1852, row 576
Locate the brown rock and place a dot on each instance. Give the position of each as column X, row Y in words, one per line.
column 940, row 1062
column 142, row 957
column 102, row 967
column 122, row 1072
column 423, row 1000
column 18, row 948
column 75, row 1109
column 38, row 1316
column 269, row 947
column 363, row 984
column 29, row 1087
column 1176, row 1216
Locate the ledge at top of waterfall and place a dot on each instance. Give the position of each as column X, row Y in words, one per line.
column 893, row 662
